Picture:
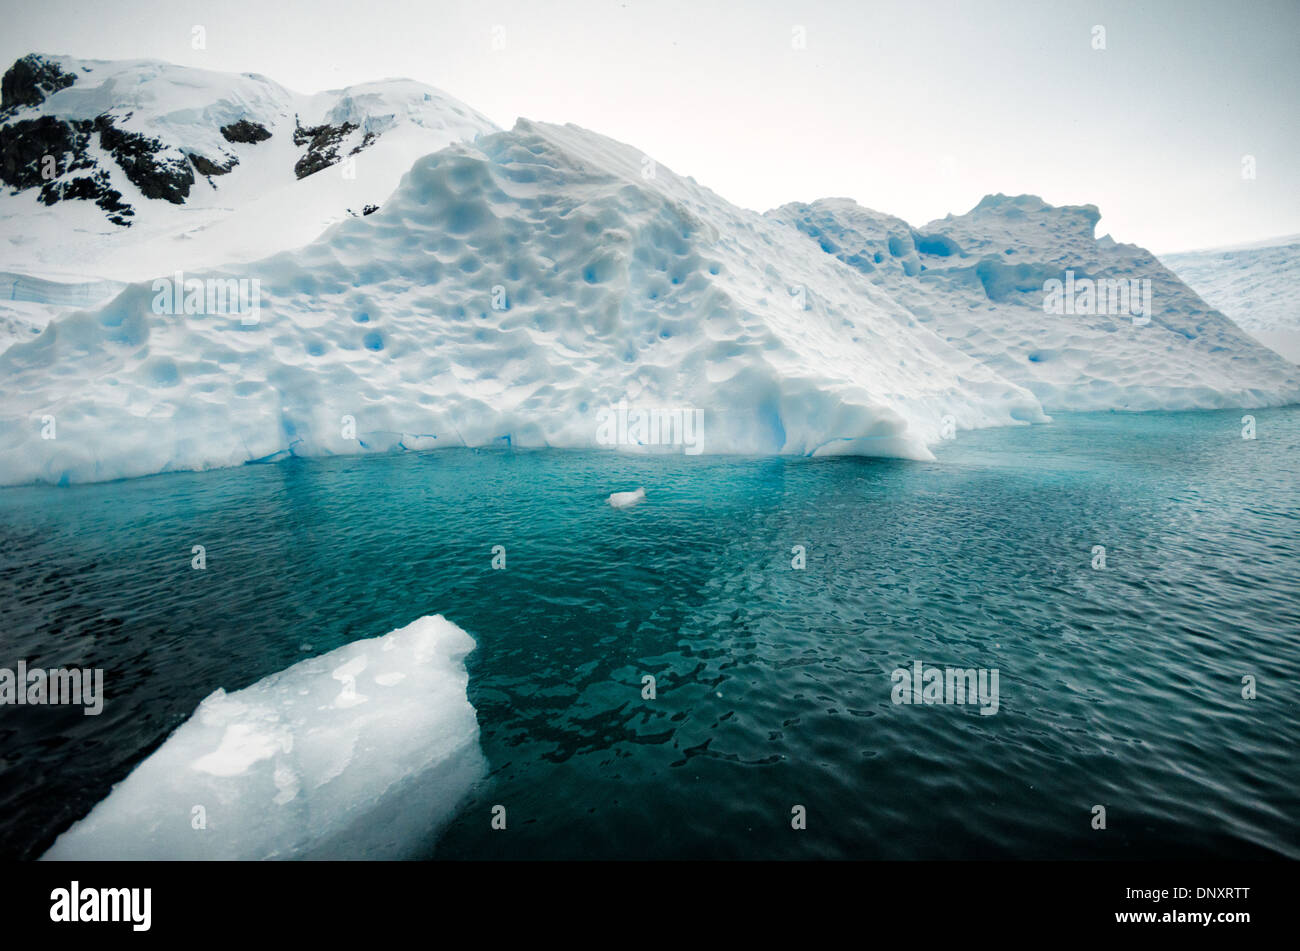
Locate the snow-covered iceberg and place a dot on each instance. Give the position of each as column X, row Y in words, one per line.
column 511, row 291
column 507, row 293
column 979, row 281
column 361, row 753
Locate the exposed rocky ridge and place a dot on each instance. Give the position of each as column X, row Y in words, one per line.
column 322, row 143
column 210, row 168
column 146, row 162
column 50, row 154
column 29, row 80
column 46, row 151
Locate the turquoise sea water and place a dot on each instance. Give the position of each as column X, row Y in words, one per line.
column 1119, row 687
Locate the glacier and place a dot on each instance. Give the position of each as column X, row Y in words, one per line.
column 27, row 303
column 1254, row 284
column 361, row 753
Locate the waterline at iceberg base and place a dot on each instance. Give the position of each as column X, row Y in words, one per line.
column 1119, row 686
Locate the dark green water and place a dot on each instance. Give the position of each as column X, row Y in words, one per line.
column 1120, row 687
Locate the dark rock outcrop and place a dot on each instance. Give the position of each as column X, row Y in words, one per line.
column 24, row 147
column 156, row 175
column 322, row 143
column 245, row 131
column 25, row 143
column 29, row 80
column 56, row 155
column 208, row 168
column 97, row 188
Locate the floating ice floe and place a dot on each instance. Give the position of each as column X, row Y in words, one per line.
column 361, row 753
column 623, row 500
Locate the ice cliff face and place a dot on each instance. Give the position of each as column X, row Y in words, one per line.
column 978, row 281
column 1258, row 286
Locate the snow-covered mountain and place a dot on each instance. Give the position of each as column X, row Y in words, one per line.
column 515, row 288
column 1257, row 285
column 122, row 170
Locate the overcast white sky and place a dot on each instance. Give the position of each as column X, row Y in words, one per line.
column 914, row 107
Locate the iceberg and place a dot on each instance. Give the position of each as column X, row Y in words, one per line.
column 362, row 753
column 624, row 500
column 982, row 282
column 508, row 293
column 513, row 290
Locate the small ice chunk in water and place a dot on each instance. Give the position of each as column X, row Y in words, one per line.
column 622, row 500
column 363, row 752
